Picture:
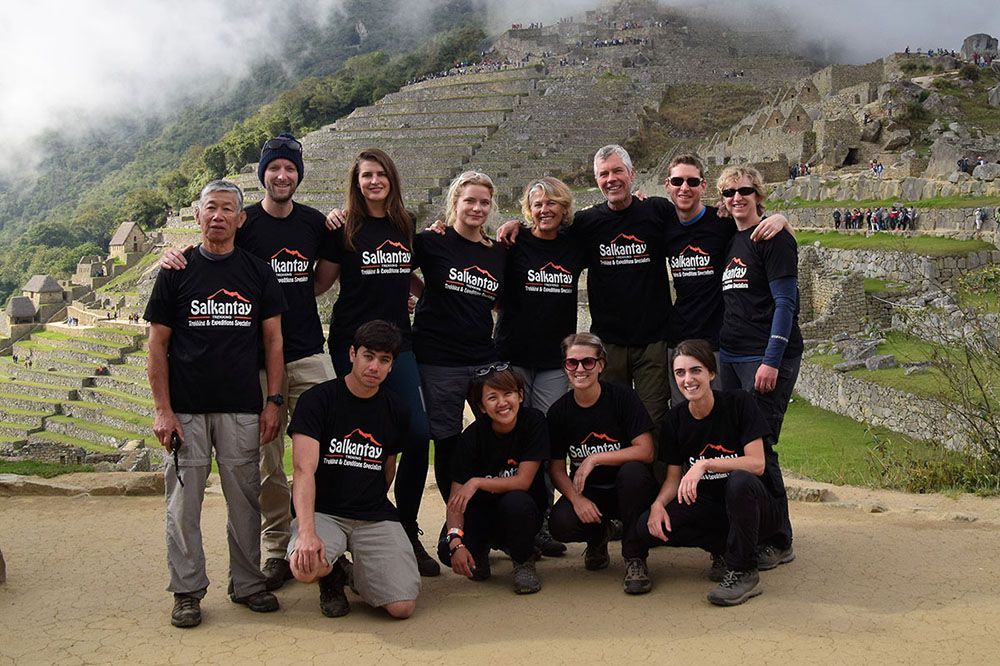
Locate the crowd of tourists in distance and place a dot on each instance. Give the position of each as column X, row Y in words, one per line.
column 657, row 427
column 879, row 218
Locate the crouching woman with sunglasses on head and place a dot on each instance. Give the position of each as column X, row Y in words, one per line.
column 606, row 432
column 724, row 490
column 497, row 496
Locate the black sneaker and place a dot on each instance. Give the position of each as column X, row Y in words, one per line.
column 547, row 546
column 615, row 529
column 526, row 580
column 426, row 564
column 596, row 556
column 719, row 568
column 258, row 602
column 187, row 611
column 276, row 571
column 636, row 576
column 768, row 556
column 332, row 600
column 481, row 571
column 735, row 588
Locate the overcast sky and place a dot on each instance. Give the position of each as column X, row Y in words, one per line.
column 64, row 59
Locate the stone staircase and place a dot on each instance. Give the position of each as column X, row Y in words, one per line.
column 79, row 395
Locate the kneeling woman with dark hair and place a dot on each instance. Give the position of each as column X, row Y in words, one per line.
column 497, row 496
column 724, row 492
column 605, row 431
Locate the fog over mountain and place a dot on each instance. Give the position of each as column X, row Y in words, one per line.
column 68, row 61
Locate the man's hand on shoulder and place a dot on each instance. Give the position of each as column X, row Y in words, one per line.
column 173, row 259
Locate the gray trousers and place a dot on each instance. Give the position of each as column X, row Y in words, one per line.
column 542, row 387
column 235, row 438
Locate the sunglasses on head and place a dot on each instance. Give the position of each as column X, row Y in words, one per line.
column 492, row 367
column 677, row 181
column 587, row 363
column 731, row 192
column 274, row 144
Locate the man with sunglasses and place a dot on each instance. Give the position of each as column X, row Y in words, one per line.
column 292, row 238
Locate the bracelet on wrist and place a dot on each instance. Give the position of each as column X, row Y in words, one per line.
column 457, row 546
column 455, row 533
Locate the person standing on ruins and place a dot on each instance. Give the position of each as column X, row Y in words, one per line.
column 207, row 324
column 293, row 238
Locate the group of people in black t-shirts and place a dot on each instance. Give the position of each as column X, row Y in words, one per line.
column 543, row 393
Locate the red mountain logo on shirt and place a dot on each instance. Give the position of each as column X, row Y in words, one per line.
column 624, row 249
column 290, row 265
column 691, row 258
column 594, row 442
column 736, row 271
column 718, row 449
column 356, row 449
column 550, row 274
column 389, row 257
column 473, row 280
column 223, row 305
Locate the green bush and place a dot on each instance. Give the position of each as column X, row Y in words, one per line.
column 969, row 72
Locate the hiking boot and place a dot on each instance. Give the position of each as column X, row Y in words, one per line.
column 719, row 568
column 768, row 556
column 276, row 571
column 735, row 588
column 596, row 556
column 332, row 600
column 615, row 529
column 187, row 611
column 481, row 571
column 348, row 568
column 547, row 546
column 636, row 576
column 526, row 580
column 426, row 564
column 258, row 602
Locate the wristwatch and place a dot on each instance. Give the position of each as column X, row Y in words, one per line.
column 277, row 399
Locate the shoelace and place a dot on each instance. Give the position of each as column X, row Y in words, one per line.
column 634, row 569
column 732, row 577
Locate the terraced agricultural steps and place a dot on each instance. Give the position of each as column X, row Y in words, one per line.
column 79, row 395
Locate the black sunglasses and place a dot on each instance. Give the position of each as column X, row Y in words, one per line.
column 730, row 192
column 587, row 363
column 492, row 367
column 274, row 144
column 677, row 181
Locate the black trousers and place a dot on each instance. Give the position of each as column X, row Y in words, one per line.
column 733, row 525
column 507, row 520
column 634, row 489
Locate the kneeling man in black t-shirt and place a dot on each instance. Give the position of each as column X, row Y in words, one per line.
column 345, row 436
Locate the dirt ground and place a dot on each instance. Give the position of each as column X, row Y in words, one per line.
column 880, row 578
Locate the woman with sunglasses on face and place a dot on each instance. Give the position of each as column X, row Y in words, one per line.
column 372, row 257
column 605, row 431
column 539, row 304
column 453, row 322
column 497, row 495
column 760, row 342
column 724, row 490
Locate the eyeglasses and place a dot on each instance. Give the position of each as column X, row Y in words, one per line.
column 274, row 144
column 730, row 192
column 587, row 363
column 492, row 367
column 677, row 181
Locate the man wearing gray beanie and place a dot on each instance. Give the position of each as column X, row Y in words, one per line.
column 291, row 237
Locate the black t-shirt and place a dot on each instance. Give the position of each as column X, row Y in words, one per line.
column 453, row 322
column 627, row 280
column 610, row 424
column 749, row 306
column 539, row 303
column 484, row 453
column 734, row 422
column 374, row 280
column 214, row 310
column 697, row 252
column 291, row 245
column 356, row 436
